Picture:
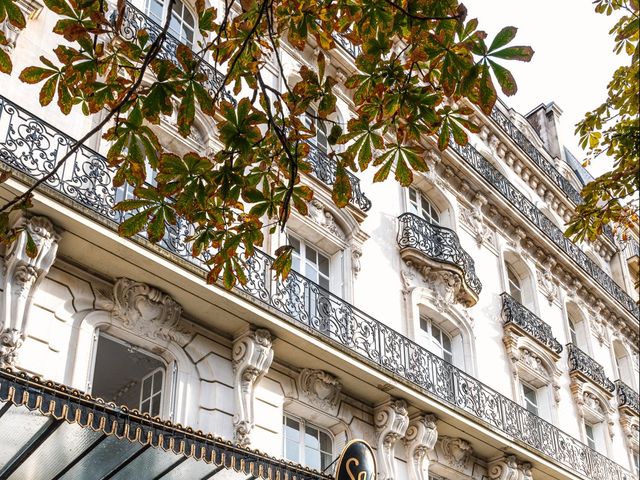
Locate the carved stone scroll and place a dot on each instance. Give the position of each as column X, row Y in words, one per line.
column 509, row 468
column 22, row 275
column 252, row 357
column 391, row 421
column 420, row 439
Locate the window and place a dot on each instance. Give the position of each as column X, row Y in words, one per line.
column 439, row 342
column 591, row 437
column 572, row 333
column 421, row 206
column 530, row 399
column 320, row 140
column 515, row 287
column 126, row 375
column 307, row 444
column 309, row 262
column 182, row 22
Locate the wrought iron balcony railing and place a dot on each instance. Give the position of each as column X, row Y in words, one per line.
column 440, row 244
column 534, row 154
column 134, row 20
column 627, row 397
column 350, row 48
column 515, row 312
column 538, row 159
column 521, row 203
column 324, row 168
column 31, row 147
column 582, row 363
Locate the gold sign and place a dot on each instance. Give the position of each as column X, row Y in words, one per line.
column 356, row 462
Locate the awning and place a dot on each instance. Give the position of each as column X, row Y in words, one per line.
column 49, row 431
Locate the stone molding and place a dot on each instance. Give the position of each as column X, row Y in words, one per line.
column 592, row 403
column 509, row 468
column 325, row 219
column 252, row 357
column 446, row 287
column 630, row 424
column 320, row 389
column 391, row 422
column 420, row 439
column 456, row 452
column 22, row 276
column 148, row 312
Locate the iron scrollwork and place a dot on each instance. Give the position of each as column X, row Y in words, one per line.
column 514, row 312
column 324, row 169
column 516, row 198
column 627, row 397
column 583, row 363
column 31, row 146
column 438, row 243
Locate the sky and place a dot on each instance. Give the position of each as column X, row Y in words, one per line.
column 573, row 60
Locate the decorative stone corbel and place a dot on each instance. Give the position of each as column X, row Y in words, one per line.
column 252, row 357
column 356, row 254
column 509, row 468
column 391, row 421
column 456, row 452
column 474, row 219
column 22, row 276
column 420, row 439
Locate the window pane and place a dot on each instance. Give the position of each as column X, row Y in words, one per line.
column 436, row 334
column 324, row 282
column 311, row 255
column 325, row 443
column 326, row 459
column 311, row 439
column 155, row 405
column 292, row 450
column 323, row 264
column 312, row 458
column 446, row 342
column 424, row 324
column 292, row 429
column 295, row 243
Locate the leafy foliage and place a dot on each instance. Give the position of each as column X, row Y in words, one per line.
column 613, row 130
column 420, row 63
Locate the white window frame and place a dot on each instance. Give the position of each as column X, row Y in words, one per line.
column 527, row 402
column 302, row 447
column 422, row 206
column 573, row 332
column 590, row 435
column 321, row 138
column 168, row 381
column 306, row 266
column 181, row 33
column 514, row 283
column 436, row 345
column 156, row 390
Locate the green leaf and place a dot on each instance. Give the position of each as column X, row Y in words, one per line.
column 505, row 79
column 31, row 248
column 524, row 54
column 133, row 224
column 341, row 193
column 502, row 38
column 282, row 263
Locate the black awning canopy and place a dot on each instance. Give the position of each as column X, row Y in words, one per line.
column 48, row 431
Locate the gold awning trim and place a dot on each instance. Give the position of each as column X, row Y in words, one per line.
column 73, row 406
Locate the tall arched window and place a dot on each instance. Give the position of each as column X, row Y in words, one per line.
column 182, row 24
column 320, row 140
column 421, row 206
column 623, row 364
column 573, row 333
column 514, row 284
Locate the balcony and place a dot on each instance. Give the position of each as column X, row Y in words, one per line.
column 627, row 398
column 538, row 159
column 31, row 147
column 582, row 365
column 323, row 167
column 523, row 205
column 516, row 314
column 438, row 248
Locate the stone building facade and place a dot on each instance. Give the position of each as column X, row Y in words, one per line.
column 450, row 324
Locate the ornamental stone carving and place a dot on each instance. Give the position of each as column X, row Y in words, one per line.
column 356, row 254
column 631, row 430
column 548, row 286
column 509, row 468
column 391, row 421
column 320, row 388
column 456, row 451
column 321, row 216
column 147, row 311
column 252, row 357
column 419, row 440
column 22, row 276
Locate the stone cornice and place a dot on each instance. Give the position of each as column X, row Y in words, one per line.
column 506, row 218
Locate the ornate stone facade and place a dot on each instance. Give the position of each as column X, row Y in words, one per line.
column 320, row 388
column 420, row 440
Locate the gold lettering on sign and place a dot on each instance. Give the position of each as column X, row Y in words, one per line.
column 361, row 475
